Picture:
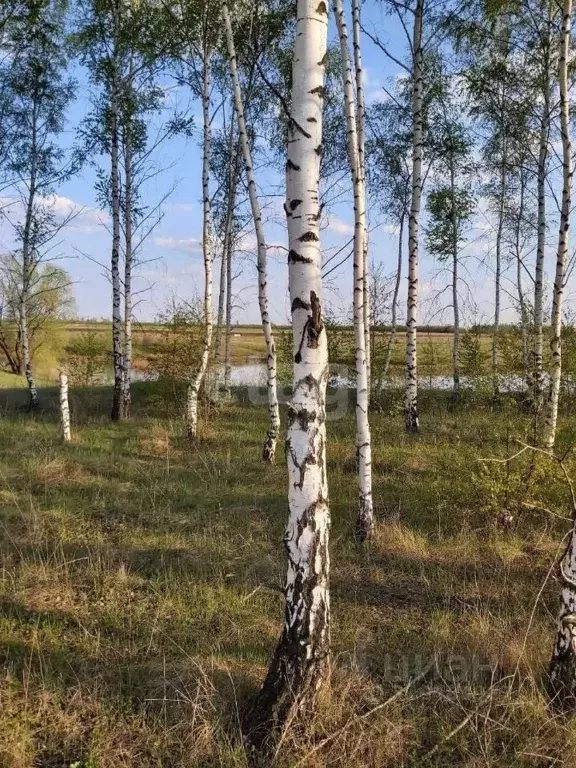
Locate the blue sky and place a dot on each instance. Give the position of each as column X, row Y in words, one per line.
column 173, row 260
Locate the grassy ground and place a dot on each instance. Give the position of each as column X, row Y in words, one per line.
column 140, row 590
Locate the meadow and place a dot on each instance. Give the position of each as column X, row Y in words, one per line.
column 141, row 588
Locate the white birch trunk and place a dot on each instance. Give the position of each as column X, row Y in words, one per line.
column 301, row 657
column 563, row 233
column 64, row 408
column 231, row 199
column 117, row 403
column 27, row 267
column 498, row 276
column 361, row 131
column 411, row 400
column 195, row 384
column 128, row 249
column 228, row 342
column 455, row 303
column 269, row 449
column 394, row 318
column 365, row 520
column 538, row 374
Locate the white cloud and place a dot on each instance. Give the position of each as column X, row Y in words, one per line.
column 82, row 218
column 339, row 227
column 182, row 244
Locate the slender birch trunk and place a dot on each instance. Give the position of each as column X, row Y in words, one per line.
column 128, row 247
column 233, row 150
column 27, row 264
column 411, row 401
column 538, row 375
column 228, row 342
column 269, row 449
column 563, row 234
column 394, row 319
column 524, row 321
column 301, row 658
column 64, row 408
column 361, row 131
column 455, row 303
column 196, row 382
column 25, row 297
column 365, row 520
column 498, row 276
column 118, row 396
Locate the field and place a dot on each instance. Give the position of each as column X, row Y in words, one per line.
column 140, row 589
column 435, row 353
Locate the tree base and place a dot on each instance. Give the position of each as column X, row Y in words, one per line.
column 364, row 521
column 269, row 450
column 412, row 423
column 562, row 670
column 289, row 692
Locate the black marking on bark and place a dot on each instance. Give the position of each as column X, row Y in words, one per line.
column 309, row 237
column 296, row 258
column 318, row 149
column 299, row 304
column 290, row 166
column 294, row 204
column 322, row 8
column 319, row 90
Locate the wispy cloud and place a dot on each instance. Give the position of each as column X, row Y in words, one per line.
column 181, row 244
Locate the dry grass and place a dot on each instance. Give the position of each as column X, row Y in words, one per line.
column 140, row 595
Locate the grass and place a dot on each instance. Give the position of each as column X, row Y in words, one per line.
column 140, row 590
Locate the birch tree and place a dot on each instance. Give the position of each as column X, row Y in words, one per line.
column 563, row 232
column 36, row 93
column 365, row 519
column 269, row 449
column 544, row 87
column 197, row 380
column 450, row 202
column 300, row 661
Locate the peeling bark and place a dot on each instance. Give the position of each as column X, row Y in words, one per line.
column 411, row 399
column 269, row 449
column 365, row 519
column 301, row 658
column 195, row 384
column 563, row 232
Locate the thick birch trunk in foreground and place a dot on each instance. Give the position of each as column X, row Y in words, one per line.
column 563, row 233
column 538, row 374
column 411, row 400
column 118, row 397
column 64, row 408
column 301, row 658
column 196, row 383
column 269, row 449
column 361, row 132
column 365, row 519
